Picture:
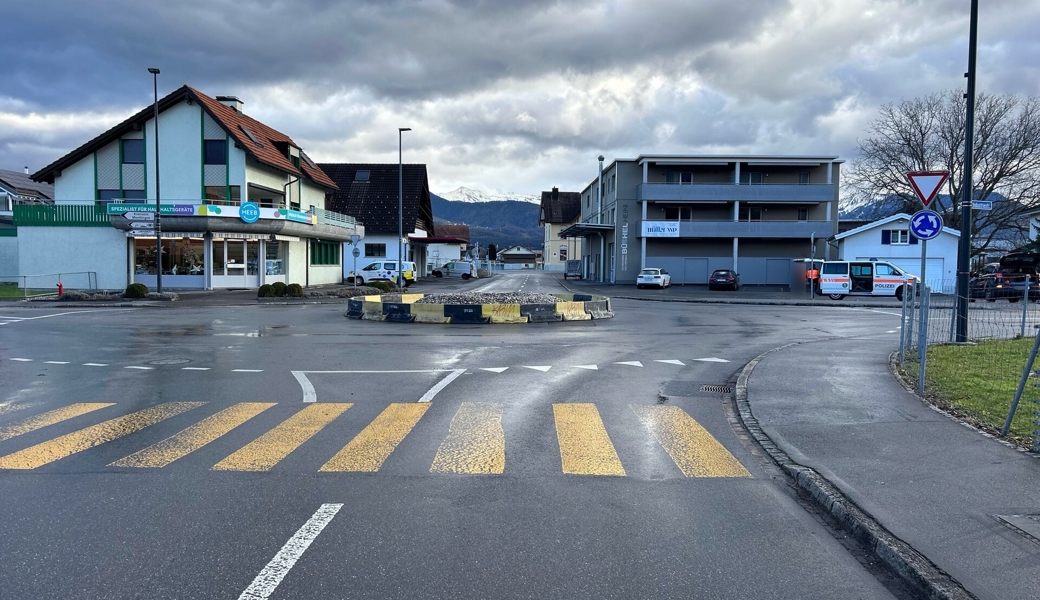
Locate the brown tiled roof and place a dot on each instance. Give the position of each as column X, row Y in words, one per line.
column 560, row 207
column 373, row 200
column 267, row 152
column 455, row 231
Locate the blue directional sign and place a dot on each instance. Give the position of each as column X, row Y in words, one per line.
column 926, row 224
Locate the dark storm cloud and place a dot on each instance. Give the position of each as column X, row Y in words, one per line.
column 88, row 54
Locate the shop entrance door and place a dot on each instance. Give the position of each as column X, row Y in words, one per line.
column 236, row 263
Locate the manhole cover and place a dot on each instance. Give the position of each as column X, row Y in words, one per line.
column 169, row 361
column 717, row 389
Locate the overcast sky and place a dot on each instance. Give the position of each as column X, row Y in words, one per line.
column 505, row 96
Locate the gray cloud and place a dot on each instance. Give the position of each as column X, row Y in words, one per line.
column 504, row 95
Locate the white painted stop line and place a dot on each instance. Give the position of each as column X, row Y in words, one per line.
column 276, row 570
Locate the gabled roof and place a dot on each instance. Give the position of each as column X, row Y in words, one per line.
column 560, row 207
column 455, row 231
column 20, row 183
column 373, row 200
column 265, row 150
column 886, row 221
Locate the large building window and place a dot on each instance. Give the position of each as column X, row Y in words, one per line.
column 133, row 152
column 179, row 256
column 214, row 152
column 375, row 250
column 325, row 253
column 218, row 194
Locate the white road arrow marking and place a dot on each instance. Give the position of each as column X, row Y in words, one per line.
column 712, row 359
column 672, row 361
column 631, row 363
column 494, row 369
column 589, row 367
column 543, row 369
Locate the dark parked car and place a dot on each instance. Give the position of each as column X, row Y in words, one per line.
column 725, row 279
column 1007, row 279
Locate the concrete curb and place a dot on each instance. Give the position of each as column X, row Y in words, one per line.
column 571, row 307
column 912, row 567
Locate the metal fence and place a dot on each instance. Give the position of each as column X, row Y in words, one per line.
column 996, row 361
column 32, row 286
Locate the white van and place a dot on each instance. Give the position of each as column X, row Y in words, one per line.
column 840, row 278
column 383, row 271
column 457, row 268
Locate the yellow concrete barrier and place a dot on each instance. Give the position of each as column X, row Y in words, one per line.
column 572, row 311
column 429, row 313
column 410, row 298
column 372, row 311
column 503, row 313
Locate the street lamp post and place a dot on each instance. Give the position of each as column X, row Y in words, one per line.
column 158, row 226
column 400, row 206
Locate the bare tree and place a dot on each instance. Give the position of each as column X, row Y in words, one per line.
column 927, row 134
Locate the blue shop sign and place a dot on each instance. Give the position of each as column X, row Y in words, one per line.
column 249, row 212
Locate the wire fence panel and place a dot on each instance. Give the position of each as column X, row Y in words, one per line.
column 978, row 380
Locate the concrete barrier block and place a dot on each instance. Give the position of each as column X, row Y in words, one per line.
column 503, row 313
column 599, row 309
column 572, row 311
column 354, row 309
column 372, row 311
column 429, row 313
column 540, row 313
column 411, row 298
column 465, row 313
column 397, row 312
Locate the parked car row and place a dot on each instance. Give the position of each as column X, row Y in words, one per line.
column 1007, row 278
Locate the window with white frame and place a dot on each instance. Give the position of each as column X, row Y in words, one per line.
column 899, row 237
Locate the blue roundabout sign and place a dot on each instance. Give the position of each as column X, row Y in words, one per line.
column 926, row 224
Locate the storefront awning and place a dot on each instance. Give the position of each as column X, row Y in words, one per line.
column 584, row 230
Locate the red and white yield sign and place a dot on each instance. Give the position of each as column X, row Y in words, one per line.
column 927, row 183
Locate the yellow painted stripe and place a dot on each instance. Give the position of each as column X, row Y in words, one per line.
column 475, row 444
column 8, row 408
column 263, row 453
column 50, row 418
column 585, row 447
column 369, row 450
column 191, row 439
column 695, row 451
column 95, row 435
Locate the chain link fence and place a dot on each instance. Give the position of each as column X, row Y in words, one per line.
column 32, row 286
column 989, row 379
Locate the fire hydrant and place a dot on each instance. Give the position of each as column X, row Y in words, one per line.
column 61, row 289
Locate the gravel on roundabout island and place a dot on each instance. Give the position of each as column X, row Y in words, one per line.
column 488, row 298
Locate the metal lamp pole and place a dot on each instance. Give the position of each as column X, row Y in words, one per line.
column 158, row 226
column 967, row 187
column 400, row 206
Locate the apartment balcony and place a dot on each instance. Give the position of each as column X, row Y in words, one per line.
column 751, row 229
column 729, row 192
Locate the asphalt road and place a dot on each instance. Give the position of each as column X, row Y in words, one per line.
column 170, row 453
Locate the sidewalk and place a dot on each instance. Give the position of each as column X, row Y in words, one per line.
column 928, row 479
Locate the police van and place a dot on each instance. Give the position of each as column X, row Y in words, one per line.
column 840, row 278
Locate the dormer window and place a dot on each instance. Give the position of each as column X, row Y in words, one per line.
column 362, row 175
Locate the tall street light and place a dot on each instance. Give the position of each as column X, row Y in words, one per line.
column 158, row 227
column 400, row 207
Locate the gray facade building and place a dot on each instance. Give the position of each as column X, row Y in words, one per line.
column 692, row 214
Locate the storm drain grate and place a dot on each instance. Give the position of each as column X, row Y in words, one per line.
column 717, row 389
column 170, row 361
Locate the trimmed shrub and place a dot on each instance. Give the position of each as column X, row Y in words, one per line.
column 265, row 291
column 136, row 290
column 279, row 288
column 383, row 286
column 294, row 290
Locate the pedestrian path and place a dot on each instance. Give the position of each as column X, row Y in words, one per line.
column 474, row 442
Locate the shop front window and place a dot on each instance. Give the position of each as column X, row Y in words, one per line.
column 179, row 257
column 275, row 258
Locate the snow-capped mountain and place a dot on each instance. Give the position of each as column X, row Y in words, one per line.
column 465, row 194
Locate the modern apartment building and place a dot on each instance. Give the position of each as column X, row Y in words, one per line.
column 242, row 204
column 692, row 214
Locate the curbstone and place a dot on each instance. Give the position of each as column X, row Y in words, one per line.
column 912, row 567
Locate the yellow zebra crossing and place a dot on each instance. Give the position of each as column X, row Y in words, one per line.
column 474, row 443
